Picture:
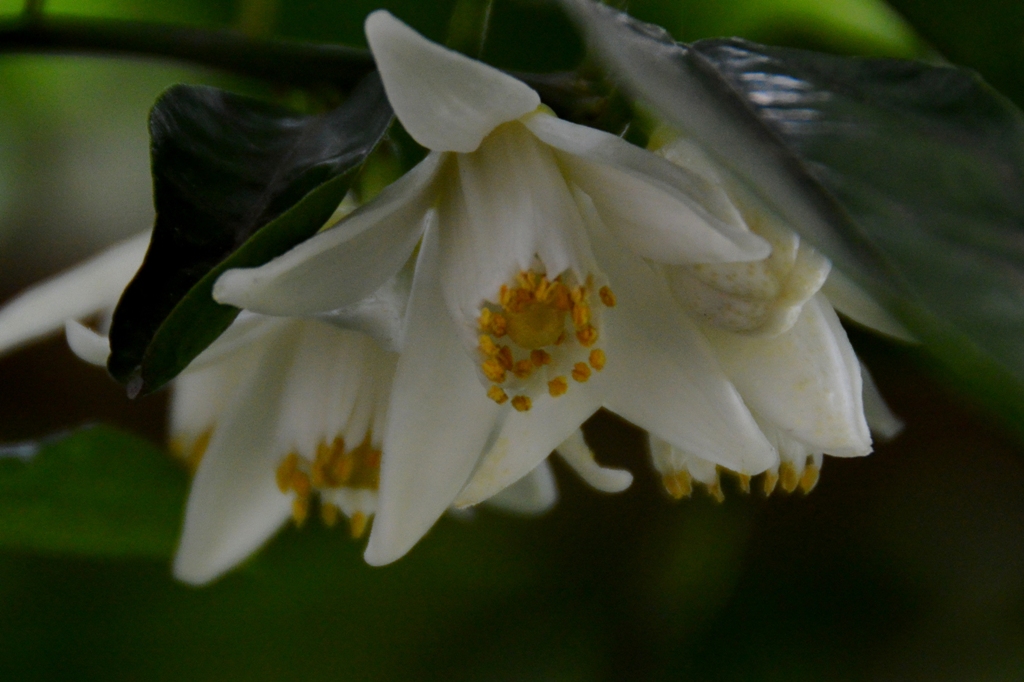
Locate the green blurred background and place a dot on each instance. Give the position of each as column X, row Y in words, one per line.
column 907, row 565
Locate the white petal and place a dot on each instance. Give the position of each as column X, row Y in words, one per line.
column 84, row 290
column 447, row 101
column 381, row 314
column 806, row 381
column 853, row 302
column 343, row 264
column 881, row 420
column 234, row 505
column 511, row 206
column 527, row 438
column 662, row 374
column 577, row 454
column 534, row 493
column 662, row 211
column 439, row 422
column 199, row 396
column 86, row 344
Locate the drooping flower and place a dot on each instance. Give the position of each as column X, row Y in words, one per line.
column 779, row 340
column 534, row 302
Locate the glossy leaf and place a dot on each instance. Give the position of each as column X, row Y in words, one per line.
column 97, row 492
column 236, row 182
column 909, row 176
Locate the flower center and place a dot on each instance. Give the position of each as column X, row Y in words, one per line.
column 533, row 315
column 332, row 469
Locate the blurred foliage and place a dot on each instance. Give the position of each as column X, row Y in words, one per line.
column 905, row 565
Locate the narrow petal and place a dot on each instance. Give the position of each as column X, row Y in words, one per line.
column 527, row 438
column 853, row 302
column 534, row 493
column 86, row 344
column 447, row 101
column 439, row 422
column 661, row 372
column 234, row 505
column 884, row 424
column 662, row 211
column 806, row 381
column 344, row 264
column 577, row 454
column 84, row 290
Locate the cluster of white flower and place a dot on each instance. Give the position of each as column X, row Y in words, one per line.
column 437, row 344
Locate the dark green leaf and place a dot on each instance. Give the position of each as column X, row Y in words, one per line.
column 97, row 492
column 236, row 182
column 908, row 176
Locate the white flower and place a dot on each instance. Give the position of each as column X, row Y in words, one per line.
column 89, row 289
column 779, row 340
column 531, row 287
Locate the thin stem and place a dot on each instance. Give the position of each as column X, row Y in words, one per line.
column 292, row 63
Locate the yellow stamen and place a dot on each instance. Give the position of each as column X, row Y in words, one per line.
column 289, row 465
column 484, row 321
column 522, row 403
column 505, row 357
column 357, row 525
column 300, row 510
column 488, row 347
column 587, row 336
column 809, row 479
column 493, row 370
column 771, row 479
column 678, row 484
column 540, row 358
column 329, row 514
column 580, row 314
column 558, row 386
column 580, row 372
column 523, row 369
column 744, row 482
column 497, row 395
column 607, row 297
column 715, row 491
column 301, row 484
column 597, row 359
column 788, row 477
column 499, row 325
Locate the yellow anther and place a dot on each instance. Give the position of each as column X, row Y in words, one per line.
column 597, row 359
column 523, row 369
column 771, row 479
column 678, row 484
column 577, row 294
column 357, row 525
column 505, row 357
column 587, row 336
column 561, row 299
column 545, row 290
column 289, row 465
column 580, row 314
column 329, row 514
column 499, row 325
column 810, row 478
column 788, row 477
column 487, row 346
column 522, row 403
column 342, row 469
column 526, row 280
column 558, row 386
column 497, row 395
column 300, row 510
column 301, row 484
column 715, row 491
column 580, row 372
column 493, row 370
column 744, row 482
column 484, row 321
column 539, row 358
column 607, row 297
